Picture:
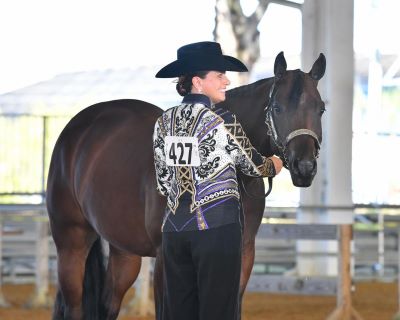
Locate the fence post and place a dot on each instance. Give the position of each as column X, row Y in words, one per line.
column 41, row 296
column 344, row 309
column 142, row 305
column 381, row 244
column 3, row 302
column 397, row 315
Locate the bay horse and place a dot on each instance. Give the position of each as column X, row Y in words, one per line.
column 102, row 185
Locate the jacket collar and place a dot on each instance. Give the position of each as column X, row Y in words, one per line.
column 192, row 98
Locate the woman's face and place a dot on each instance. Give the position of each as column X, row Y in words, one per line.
column 213, row 85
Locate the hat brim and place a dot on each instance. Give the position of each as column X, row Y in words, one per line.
column 178, row 68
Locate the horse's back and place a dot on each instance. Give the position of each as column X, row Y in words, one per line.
column 99, row 166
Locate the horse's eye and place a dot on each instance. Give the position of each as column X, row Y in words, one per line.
column 277, row 109
column 322, row 109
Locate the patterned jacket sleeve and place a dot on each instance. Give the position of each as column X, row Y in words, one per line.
column 163, row 172
column 246, row 157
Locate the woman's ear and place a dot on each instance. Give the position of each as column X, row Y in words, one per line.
column 196, row 84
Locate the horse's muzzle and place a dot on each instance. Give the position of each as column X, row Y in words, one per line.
column 303, row 171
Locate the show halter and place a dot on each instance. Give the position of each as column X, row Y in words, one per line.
column 282, row 146
column 272, row 132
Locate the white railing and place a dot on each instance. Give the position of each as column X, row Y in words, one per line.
column 24, row 232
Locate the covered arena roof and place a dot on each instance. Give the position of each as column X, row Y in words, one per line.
column 70, row 92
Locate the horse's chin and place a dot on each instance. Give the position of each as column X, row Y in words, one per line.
column 302, row 182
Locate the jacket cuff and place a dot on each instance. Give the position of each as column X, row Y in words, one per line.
column 268, row 168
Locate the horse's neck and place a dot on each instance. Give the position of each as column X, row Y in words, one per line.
column 248, row 103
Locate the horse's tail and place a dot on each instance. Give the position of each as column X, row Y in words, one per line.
column 58, row 311
column 93, row 284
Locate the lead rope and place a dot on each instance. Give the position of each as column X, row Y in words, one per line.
column 258, row 197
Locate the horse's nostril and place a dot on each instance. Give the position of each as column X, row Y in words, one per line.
column 306, row 167
column 295, row 166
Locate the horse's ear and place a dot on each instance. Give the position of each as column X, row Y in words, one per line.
column 318, row 69
column 280, row 65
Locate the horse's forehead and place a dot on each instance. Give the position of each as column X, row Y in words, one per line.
column 291, row 86
column 297, row 86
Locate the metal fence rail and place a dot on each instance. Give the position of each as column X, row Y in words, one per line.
column 29, row 255
column 375, row 242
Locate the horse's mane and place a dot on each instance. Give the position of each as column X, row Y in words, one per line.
column 253, row 89
column 250, row 89
column 247, row 90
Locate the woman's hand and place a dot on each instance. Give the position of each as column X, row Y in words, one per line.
column 278, row 164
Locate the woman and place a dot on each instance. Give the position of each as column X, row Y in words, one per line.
column 197, row 150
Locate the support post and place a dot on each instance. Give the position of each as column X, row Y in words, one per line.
column 344, row 309
column 332, row 186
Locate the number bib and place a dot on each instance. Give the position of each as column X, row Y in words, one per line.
column 182, row 151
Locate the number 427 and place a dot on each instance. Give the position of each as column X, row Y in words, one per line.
column 182, row 153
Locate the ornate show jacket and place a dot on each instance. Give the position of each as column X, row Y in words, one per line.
column 223, row 148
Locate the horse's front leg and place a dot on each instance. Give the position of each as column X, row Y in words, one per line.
column 253, row 209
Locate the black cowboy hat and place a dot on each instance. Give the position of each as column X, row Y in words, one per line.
column 200, row 56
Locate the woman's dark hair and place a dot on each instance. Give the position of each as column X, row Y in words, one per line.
column 184, row 85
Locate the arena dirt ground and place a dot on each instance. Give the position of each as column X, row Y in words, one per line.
column 373, row 301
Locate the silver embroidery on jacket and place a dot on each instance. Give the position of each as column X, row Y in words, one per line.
column 223, row 148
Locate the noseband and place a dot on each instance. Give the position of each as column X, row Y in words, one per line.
column 272, row 132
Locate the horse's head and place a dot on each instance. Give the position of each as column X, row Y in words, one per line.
column 293, row 117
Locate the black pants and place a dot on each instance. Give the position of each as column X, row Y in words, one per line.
column 202, row 273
